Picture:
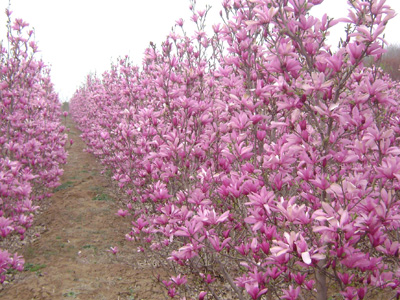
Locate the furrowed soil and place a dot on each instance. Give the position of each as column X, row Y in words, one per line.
column 77, row 226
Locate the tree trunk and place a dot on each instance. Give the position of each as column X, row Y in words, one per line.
column 320, row 278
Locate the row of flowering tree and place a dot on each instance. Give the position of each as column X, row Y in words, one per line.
column 32, row 137
column 258, row 159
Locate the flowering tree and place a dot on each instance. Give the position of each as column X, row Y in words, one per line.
column 258, row 158
column 31, row 136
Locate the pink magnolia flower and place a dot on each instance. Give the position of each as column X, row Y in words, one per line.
column 254, row 290
column 122, row 213
column 113, row 250
column 179, row 280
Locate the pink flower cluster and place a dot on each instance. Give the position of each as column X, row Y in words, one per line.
column 31, row 136
column 258, row 158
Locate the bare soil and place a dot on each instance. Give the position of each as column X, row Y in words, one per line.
column 70, row 259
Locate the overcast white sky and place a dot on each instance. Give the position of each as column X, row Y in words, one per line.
column 80, row 36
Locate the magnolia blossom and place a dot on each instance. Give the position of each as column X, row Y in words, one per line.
column 260, row 153
column 32, row 138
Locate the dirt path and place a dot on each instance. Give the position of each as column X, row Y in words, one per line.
column 70, row 259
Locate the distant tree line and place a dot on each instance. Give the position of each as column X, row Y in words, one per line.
column 65, row 106
column 389, row 62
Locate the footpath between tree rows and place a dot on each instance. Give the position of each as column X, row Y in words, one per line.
column 70, row 259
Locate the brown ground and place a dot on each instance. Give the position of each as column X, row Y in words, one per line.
column 70, row 259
